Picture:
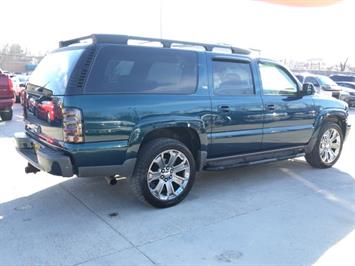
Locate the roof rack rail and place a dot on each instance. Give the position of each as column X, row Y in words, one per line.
column 123, row 39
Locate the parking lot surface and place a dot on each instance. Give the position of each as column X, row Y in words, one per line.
column 279, row 213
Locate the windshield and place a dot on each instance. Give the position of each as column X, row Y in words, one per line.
column 54, row 71
column 326, row 81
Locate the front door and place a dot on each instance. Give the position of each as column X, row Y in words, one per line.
column 237, row 108
column 289, row 118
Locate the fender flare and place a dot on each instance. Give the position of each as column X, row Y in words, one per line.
column 141, row 130
column 326, row 115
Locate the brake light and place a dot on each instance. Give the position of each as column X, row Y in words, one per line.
column 72, row 125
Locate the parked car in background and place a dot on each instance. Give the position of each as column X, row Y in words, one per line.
column 342, row 77
column 323, row 85
column 19, row 86
column 7, row 97
column 349, row 87
column 300, row 77
column 348, row 96
column 158, row 115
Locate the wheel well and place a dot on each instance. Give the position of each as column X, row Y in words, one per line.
column 338, row 120
column 187, row 136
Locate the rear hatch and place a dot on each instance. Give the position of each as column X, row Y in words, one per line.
column 45, row 95
column 6, row 87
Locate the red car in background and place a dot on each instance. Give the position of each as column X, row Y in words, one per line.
column 45, row 111
column 7, row 97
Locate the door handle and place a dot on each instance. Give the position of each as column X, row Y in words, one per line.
column 224, row 108
column 270, row 107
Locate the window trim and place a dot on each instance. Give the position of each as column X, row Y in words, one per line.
column 228, row 59
column 288, row 73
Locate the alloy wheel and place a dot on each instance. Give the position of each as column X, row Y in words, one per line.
column 168, row 175
column 330, row 145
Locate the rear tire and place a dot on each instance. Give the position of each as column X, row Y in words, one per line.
column 327, row 148
column 164, row 173
column 7, row 116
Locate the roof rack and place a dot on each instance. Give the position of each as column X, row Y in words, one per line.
column 123, row 39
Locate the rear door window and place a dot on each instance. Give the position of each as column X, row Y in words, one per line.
column 232, row 78
column 128, row 69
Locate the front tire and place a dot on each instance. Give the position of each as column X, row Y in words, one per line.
column 328, row 147
column 164, row 173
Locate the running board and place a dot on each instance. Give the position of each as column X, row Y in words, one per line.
column 216, row 164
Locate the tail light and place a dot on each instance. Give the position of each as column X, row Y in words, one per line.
column 72, row 125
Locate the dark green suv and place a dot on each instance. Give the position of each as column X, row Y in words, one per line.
column 157, row 111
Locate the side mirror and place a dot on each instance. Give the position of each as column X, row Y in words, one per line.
column 307, row 89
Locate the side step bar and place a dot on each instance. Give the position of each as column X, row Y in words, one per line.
column 216, row 164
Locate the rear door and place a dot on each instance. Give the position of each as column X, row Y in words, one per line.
column 289, row 117
column 237, row 108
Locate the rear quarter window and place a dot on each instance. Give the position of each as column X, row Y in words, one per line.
column 129, row 69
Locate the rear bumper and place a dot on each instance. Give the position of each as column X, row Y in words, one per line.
column 42, row 157
column 336, row 94
column 6, row 103
column 57, row 162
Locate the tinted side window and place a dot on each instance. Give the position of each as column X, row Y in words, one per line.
column 276, row 81
column 232, row 78
column 128, row 69
column 300, row 78
column 312, row 80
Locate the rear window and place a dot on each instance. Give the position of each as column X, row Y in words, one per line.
column 143, row 70
column 54, row 71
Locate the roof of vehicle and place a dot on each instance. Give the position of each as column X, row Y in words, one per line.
column 165, row 43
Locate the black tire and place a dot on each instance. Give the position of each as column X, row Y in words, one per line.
column 138, row 182
column 7, row 116
column 314, row 157
column 17, row 99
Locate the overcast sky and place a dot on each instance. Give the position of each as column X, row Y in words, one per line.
column 279, row 31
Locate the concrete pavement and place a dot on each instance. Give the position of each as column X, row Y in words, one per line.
column 280, row 213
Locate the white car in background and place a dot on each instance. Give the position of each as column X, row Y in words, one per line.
column 19, row 83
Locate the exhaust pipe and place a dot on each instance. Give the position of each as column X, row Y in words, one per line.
column 31, row 169
column 111, row 180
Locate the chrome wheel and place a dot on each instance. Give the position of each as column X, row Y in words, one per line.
column 330, row 145
column 168, row 174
